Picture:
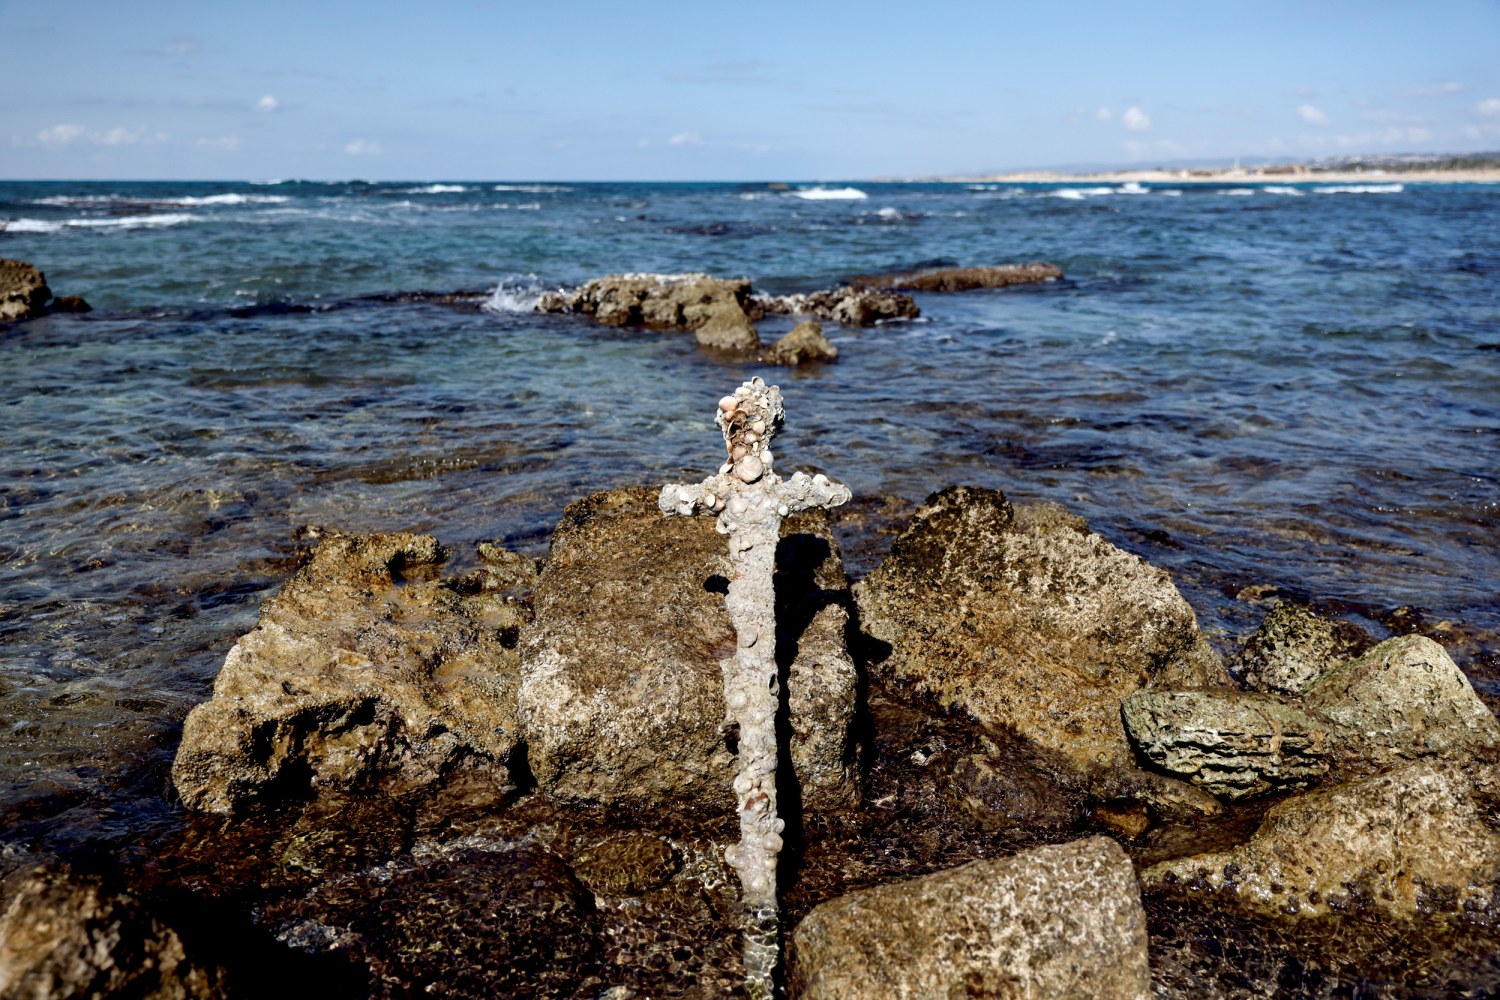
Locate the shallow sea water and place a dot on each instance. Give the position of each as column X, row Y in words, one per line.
column 1288, row 390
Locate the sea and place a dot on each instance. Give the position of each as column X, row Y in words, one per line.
column 1272, row 391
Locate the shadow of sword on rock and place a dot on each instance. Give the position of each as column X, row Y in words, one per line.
column 750, row 500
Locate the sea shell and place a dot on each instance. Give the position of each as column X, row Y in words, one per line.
column 748, row 469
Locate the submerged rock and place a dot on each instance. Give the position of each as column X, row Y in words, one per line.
column 1402, row 700
column 803, row 344
column 715, row 309
column 1292, row 648
column 1027, row 621
column 847, row 306
column 960, row 279
column 23, row 290
column 67, row 935
column 1052, row 923
column 627, row 864
column 1418, row 841
column 1232, row 744
column 365, row 670
column 621, row 691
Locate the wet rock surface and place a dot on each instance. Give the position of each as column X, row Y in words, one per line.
column 960, row 279
column 1293, row 647
column 23, row 291
column 626, row 865
column 713, row 308
column 847, row 306
column 1027, row 621
column 1062, row 921
column 805, row 343
column 622, row 691
column 1232, row 744
column 365, row 671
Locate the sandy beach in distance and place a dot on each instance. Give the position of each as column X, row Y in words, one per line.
column 1250, row 175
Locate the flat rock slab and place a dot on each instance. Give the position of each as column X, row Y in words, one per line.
column 1026, row 621
column 364, row 671
column 1233, row 744
column 1053, row 923
column 622, row 692
column 1415, row 842
column 961, row 279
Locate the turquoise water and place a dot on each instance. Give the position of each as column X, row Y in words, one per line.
column 1290, row 387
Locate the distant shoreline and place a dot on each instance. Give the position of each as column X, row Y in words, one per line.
column 1252, row 175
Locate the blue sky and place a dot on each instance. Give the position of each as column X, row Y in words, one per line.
column 575, row 89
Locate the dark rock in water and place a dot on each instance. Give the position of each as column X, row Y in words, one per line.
column 627, row 864
column 1402, row 700
column 1232, row 744
column 960, row 279
column 23, row 290
column 70, row 304
column 67, row 935
column 1027, row 622
column 365, row 670
column 1292, row 648
column 805, row 343
column 715, row 309
column 1416, row 843
column 846, row 306
column 621, row 693
column 1054, row 923
column 996, row 796
column 466, row 923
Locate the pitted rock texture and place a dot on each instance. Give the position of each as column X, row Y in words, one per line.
column 1027, row 621
column 805, row 343
column 1402, row 700
column 846, row 306
column 1419, row 841
column 1293, row 647
column 621, row 693
column 23, row 290
column 1232, row 744
column 364, row 671
column 961, row 279
column 67, row 935
column 1061, row 922
column 715, row 309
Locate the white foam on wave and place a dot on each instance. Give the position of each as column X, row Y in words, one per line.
column 1132, row 187
column 73, row 201
column 1238, row 192
column 233, row 199
column 436, row 189
column 156, row 221
column 533, row 188
column 515, row 295
column 1282, row 189
column 1171, row 192
column 1078, row 194
column 829, row 194
column 1361, row 189
column 888, row 213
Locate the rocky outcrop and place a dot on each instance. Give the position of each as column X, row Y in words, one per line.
column 366, row 670
column 1231, row 744
column 621, row 691
column 713, row 308
column 23, row 291
column 1293, row 647
column 1402, row 700
column 960, row 279
column 1052, row 923
column 846, row 306
column 67, row 935
column 1026, row 621
column 1416, row 842
column 805, row 343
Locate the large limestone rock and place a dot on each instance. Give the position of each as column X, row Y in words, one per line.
column 1060, row 922
column 1292, row 648
column 365, row 670
column 715, row 309
column 960, row 279
column 1402, row 700
column 1232, row 744
column 66, row 935
column 1025, row 620
column 1419, row 841
column 805, row 343
column 621, row 693
column 23, row 290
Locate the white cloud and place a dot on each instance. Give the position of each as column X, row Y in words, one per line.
column 61, row 135
column 362, row 147
column 117, row 136
column 1104, row 114
column 1135, row 119
column 1488, row 107
column 1439, row 90
column 267, row 103
column 1311, row 115
column 686, row 139
column 223, row 144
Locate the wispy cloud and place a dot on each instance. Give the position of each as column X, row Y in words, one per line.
column 1135, row 119
column 362, row 147
column 1311, row 115
column 1437, row 90
column 182, row 45
column 741, row 73
column 686, row 139
column 267, row 104
column 68, row 133
column 223, row 144
column 1489, row 107
column 1104, row 114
